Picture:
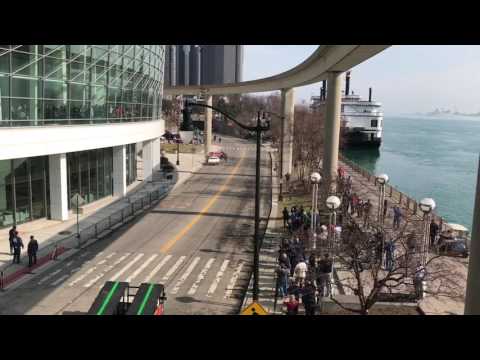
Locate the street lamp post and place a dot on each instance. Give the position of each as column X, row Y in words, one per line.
column 315, row 179
column 333, row 202
column 382, row 179
column 427, row 205
column 282, row 135
column 259, row 128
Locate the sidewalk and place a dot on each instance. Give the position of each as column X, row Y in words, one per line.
column 268, row 253
column 189, row 164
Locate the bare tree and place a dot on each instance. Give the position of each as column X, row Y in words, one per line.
column 360, row 254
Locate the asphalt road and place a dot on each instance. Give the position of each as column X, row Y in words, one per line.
column 198, row 242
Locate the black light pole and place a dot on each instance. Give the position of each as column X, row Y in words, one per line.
column 282, row 135
column 178, row 140
column 256, row 246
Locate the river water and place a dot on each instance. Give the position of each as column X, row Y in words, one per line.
column 433, row 157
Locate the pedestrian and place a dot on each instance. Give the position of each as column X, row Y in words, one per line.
column 284, row 260
column 300, row 273
column 433, row 232
column 282, row 279
column 308, row 298
column 286, row 216
column 32, row 249
column 17, row 248
column 418, row 280
column 325, row 269
column 397, row 215
column 354, row 204
column 219, row 140
column 385, row 208
column 389, row 255
column 11, row 235
column 360, row 208
column 292, row 305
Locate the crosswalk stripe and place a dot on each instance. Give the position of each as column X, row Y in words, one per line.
column 233, row 280
column 185, row 275
column 48, row 276
column 218, row 277
column 201, row 276
column 60, row 279
column 157, row 268
column 69, row 263
column 83, row 276
column 173, row 268
column 141, row 268
column 126, row 267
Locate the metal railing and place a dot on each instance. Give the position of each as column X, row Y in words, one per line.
column 394, row 194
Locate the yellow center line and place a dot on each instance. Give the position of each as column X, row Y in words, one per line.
column 210, row 203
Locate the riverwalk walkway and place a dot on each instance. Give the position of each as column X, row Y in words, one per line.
column 363, row 184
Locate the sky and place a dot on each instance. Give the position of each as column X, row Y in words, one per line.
column 405, row 78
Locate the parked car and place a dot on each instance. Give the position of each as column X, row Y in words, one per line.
column 219, row 154
column 213, row 160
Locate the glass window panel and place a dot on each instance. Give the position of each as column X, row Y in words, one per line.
column 55, row 68
column 55, row 109
column 108, row 167
column 21, row 170
column 93, row 175
column 100, row 174
column 79, row 109
column 25, row 109
column 22, row 201
column 5, row 111
column 5, row 63
column 5, row 172
column 77, row 52
column 20, row 60
column 79, row 92
column 4, row 86
column 85, row 177
column 38, row 199
column 74, row 177
column 24, row 87
column 55, row 90
column 136, row 110
column 56, row 51
column 77, row 72
column 99, row 75
column 37, row 167
column 6, row 205
column 127, row 96
column 113, row 94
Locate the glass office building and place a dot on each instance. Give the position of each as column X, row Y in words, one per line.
column 47, row 85
column 79, row 84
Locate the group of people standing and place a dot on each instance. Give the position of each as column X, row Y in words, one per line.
column 296, row 219
column 16, row 246
column 302, row 279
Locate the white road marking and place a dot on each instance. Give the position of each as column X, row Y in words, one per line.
column 173, row 268
column 109, row 256
column 83, row 276
column 157, row 268
column 233, row 280
column 60, row 279
column 75, row 270
column 200, row 277
column 141, row 268
column 218, row 277
column 48, row 276
column 69, row 263
column 185, row 275
column 126, row 267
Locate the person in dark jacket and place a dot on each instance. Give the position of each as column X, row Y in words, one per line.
column 308, row 298
column 17, row 248
column 32, row 249
column 433, row 232
column 11, row 235
column 286, row 216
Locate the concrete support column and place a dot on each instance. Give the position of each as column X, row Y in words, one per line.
column 472, row 297
column 207, row 131
column 57, row 167
column 120, row 170
column 151, row 158
column 288, row 109
column 332, row 130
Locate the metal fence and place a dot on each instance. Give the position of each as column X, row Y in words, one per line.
column 394, row 194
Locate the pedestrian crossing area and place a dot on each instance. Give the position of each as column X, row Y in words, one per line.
column 232, row 149
column 193, row 276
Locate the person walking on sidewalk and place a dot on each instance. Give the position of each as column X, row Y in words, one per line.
column 367, row 208
column 308, row 298
column 397, row 215
column 17, row 248
column 32, row 249
column 286, row 216
column 11, row 235
column 292, row 305
column 433, row 232
column 300, row 273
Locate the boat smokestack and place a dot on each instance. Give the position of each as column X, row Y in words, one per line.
column 347, row 84
column 370, row 94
